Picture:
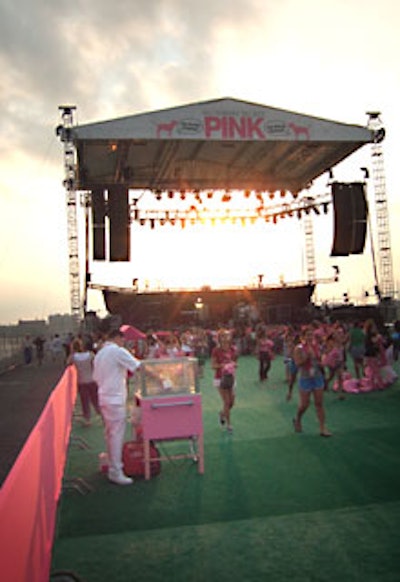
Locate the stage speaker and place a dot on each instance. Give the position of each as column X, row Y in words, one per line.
column 118, row 213
column 99, row 224
column 350, row 218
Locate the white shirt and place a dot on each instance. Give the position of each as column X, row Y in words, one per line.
column 111, row 365
column 84, row 366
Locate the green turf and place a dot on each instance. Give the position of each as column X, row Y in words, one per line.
column 271, row 504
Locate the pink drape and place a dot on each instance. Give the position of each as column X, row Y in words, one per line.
column 30, row 493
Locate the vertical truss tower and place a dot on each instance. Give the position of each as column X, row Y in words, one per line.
column 384, row 251
column 309, row 247
column 64, row 132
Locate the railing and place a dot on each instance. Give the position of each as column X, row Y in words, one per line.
column 11, row 352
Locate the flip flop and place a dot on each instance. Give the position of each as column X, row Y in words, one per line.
column 326, row 434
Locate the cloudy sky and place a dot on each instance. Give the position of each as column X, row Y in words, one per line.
column 335, row 59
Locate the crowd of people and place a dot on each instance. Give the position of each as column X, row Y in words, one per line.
column 317, row 357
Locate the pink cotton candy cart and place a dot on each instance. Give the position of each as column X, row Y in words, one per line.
column 171, row 408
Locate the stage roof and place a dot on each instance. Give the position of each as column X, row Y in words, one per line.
column 218, row 144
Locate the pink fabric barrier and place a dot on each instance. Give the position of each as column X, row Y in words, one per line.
column 29, row 495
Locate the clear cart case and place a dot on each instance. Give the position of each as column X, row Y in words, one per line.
column 166, row 377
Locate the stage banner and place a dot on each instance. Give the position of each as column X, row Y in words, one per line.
column 30, row 493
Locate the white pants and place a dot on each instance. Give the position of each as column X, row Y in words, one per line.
column 114, row 416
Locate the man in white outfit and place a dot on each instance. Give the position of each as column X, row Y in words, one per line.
column 111, row 365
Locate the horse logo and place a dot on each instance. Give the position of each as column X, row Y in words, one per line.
column 299, row 130
column 166, row 128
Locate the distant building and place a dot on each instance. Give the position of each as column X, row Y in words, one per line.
column 32, row 327
column 61, row 324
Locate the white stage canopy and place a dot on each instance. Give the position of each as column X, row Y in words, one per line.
column 218, row 144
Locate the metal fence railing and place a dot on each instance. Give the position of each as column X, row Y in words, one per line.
column 11, row 352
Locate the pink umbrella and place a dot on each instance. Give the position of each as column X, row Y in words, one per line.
column 131, row 333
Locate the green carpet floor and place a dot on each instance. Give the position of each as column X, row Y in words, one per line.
column 272, row 505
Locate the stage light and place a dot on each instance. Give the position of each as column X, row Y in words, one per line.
column 336, row 275
column 158, row 194
column 298, row 214
column 379, row 135
column 183, row 195
column 152, row 223
column 275, row 219
column 366, row 173
column 209, row 194
column 170, row 194
column 247, row 193
column 271, row 195
column 282, row 193
column 142, row 221
column 183, row 222
column 226, row 197
column 316, row 210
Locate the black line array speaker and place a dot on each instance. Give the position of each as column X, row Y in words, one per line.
column 118, row 213
column 99, row 212
column 350, row 219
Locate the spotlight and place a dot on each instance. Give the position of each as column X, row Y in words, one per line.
column 282, row 193
column 183, row 195
column 325, row 207
column 209, row 194
column 275, row 219
column 170, row 194
column 158, row 194
column 366, row 173
column 379, row 135
column 247, row 193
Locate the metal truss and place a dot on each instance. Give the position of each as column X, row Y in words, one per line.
column 386, row 282
column 64, row 132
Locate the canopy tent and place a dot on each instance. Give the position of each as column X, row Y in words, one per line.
column 131, row 333
column 218, row 144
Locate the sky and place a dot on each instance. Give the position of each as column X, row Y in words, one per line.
column 335, row 59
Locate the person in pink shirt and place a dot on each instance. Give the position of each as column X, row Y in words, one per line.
column 224, row 361
column 334, row 360
column 265, row 353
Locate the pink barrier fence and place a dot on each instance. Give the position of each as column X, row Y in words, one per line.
column 29, row 495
